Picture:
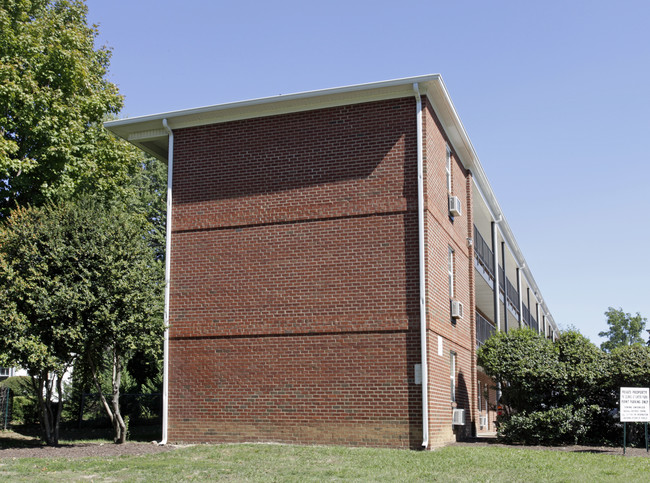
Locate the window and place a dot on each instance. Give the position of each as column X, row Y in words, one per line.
column 452, row 376
column 448, row 169
column 480, row 402
column 4, row 371
column 451, row 272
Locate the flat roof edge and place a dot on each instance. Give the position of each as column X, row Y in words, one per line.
column 274, row 99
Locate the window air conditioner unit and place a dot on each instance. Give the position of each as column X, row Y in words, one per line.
column 456, row 309
column 458, row 417
column 483, row 421
column 454, row 206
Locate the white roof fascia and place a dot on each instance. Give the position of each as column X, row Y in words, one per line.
column 270, row 106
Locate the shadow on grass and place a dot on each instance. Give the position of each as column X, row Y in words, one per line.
column 29, row 436
column 594, row 451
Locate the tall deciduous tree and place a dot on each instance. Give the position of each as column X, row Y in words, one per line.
column 624, row 329
column 54, row 96
column 126, row 279
column 79, row 280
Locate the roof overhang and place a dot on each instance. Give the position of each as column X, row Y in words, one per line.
column 147, row 132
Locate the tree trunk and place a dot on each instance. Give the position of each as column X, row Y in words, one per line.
column 41, row 383
column 107, row 408
column 113, row 410
column 118, row 424
column 59, row 406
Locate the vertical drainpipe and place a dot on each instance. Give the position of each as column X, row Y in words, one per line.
column 168, row 240
column 495, row 254
column 422, row 268
column 529, row 311
column 505, row 287
column 497, row 315
column 521, row 314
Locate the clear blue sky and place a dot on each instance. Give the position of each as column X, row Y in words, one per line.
column 555, row 96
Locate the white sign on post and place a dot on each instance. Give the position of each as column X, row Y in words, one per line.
column 635, row 404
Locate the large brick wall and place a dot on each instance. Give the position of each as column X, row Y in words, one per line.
column 294, row 302
column 294, row 292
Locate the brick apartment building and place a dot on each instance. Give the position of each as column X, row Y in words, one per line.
column 331, row 266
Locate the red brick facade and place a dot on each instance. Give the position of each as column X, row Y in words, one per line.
column 294, row 310
column 294, row 279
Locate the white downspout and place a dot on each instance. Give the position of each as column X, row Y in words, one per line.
column 497, row 301
column 422, row 268
column 168, row 240
column 495, row 257
column 520, row 301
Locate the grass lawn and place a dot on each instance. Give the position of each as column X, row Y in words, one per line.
column 260, row 462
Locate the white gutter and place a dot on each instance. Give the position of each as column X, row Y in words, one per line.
column 168, row 240
column 422, row 268
column 211, row 114
column 495, row 258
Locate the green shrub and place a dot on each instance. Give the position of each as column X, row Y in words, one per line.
column 526, row 364
column 18, row 385
column 24, row 410
column 556, row 426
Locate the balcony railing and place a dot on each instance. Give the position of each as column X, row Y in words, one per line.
column 513, row 295
column 502, row 279
column 484, row 255
column 528, row 319
column 484, row 329
column 525, row 315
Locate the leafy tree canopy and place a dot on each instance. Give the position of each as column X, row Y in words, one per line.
column 524, row 380
column 53, row 98
column 629, row 366
column 583, row 367
column 624, row 329
column 78, row 280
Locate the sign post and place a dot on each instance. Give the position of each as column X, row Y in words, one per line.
column 635, row 408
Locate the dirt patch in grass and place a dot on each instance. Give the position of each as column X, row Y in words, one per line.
column 16, row 445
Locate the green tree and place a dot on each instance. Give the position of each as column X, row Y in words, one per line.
column 53, row 98
column 37, row 331
column 552, row 390
column 583, row 368
column 79, row 281
column 526, row 382
column 624, row 329
column 128, row 319
column 629, row 366
column 146, row 195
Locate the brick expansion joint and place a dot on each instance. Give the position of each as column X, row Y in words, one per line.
column 293, row 334
column 295, row 222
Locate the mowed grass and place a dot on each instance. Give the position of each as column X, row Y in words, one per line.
column 266, row 462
